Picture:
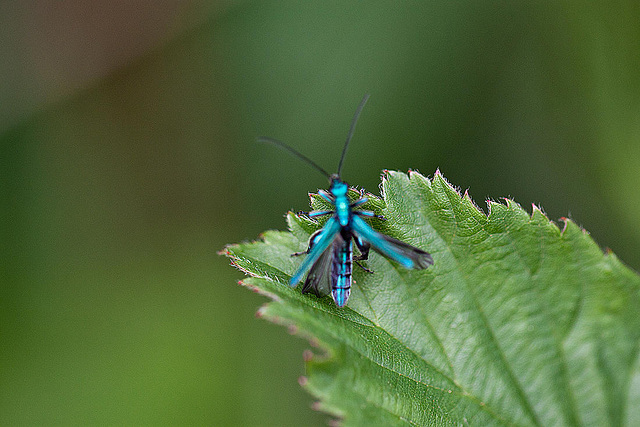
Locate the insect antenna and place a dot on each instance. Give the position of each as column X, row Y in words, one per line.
column 295, row 153
column 352, row 130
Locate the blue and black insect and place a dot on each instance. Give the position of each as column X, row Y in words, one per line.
column 330, row 253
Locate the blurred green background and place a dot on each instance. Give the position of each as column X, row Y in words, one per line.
column 128, row 159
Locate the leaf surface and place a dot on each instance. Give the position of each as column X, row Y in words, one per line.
column 518, row 322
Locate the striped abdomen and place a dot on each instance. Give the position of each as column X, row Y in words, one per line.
column 341, row 272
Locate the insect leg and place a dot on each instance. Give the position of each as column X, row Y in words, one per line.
column 369, row 214
column 314, row 214
column 359, row 202
column 327, row 196
column 367, row 270
column 363, row 247
column 312, row 241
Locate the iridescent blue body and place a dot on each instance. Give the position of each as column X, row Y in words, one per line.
column 330, row 253
column 329, row 257
column 341, row 272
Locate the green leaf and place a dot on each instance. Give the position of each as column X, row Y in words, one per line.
column 518, row 322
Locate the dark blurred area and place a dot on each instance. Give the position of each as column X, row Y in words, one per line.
column 128, row 159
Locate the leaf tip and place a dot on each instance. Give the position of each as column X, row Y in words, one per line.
column 537, row 211
column 565, row 224
column 258, row 290
column 414, row 173
column 490, row 205
column 438, row 178
column 571, row 226
column 512, row 204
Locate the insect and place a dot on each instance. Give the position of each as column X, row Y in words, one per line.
column 329, row 255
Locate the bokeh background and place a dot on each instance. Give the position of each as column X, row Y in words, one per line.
column 128, row 159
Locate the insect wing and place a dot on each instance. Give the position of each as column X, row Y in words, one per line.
column 420, row 258
column 405, row 254
column 320, row 276
column 326, row 237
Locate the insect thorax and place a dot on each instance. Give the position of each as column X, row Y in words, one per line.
column 339, row 191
